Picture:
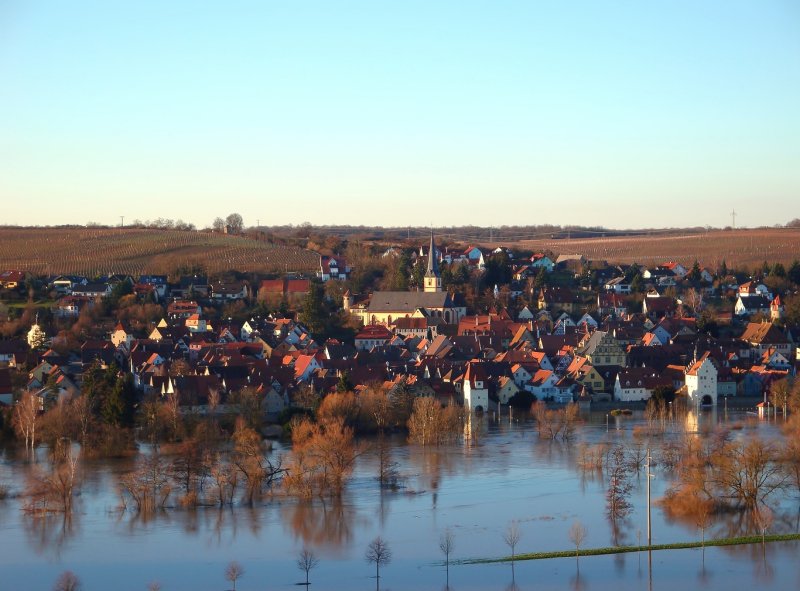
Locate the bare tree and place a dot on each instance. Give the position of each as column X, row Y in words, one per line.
column 748, row 473
column 233, row 572
column 619, row 487
column 67, row 581
column 763, row 517
column 388, row 475
column 235, row 223
column 148, row 487
column 379, row 554
column 703, row 520
column 577, row 535
column 174, row 413
column 446, row 543
column 307, row 561
column 26, row 414
column 52, row 491
column 511, row 537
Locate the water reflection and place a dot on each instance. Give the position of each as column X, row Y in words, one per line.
column 50, row 532
column 764, row 571
column 704, row 575
column 324, row 524
column 578, row 582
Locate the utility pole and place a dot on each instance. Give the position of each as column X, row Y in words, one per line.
column 733, row 219
column 648, row 477
column 122, row 221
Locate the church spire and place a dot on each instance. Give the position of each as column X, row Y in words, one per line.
column 433, row 263
column 433, row 281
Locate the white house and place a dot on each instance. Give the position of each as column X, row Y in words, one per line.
column 540, row 260
column 701, row 382
column 752, row 304
column 476, row 388
column 618, row 285
column 543, row 384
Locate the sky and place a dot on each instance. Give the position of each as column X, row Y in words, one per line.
column 620, row 113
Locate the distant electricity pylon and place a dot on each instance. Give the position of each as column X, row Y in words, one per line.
column 122, row 221
column 733, row 219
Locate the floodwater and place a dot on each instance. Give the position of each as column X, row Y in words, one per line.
column 475, row 491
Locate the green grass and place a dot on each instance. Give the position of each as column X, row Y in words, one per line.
column 21, row 305
column 626, row 549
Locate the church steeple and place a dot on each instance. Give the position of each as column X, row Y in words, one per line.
column 433, row 281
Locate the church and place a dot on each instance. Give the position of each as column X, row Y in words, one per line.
column 384, row 307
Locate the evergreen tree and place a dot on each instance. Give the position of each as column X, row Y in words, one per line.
column 778, row 270
column 794, row 272
column 313, row 313
column 694, row 275
column 637, row 283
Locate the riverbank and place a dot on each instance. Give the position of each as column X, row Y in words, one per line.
column 739, row 541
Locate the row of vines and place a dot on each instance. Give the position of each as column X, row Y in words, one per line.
column 95, row 251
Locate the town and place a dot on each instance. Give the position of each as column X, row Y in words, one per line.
column 479, row 328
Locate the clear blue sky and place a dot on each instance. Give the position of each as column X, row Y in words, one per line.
column 620, row 113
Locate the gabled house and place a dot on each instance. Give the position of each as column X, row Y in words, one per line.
column 677, row 269
column 92, row 290
column 763, row 336
column 228, row 291
column 476, row 387
column 542, row 261
column 11, row 279
column 333, row 267
column 618, row 285
column 558, row 298
column 543, row 384
column 372, row 335
column 701, row 382
column 752, row 304
column 657, row 307
column 638, row 383
column 602, row 349
column 122, row 337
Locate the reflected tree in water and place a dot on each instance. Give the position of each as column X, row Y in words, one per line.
column 327, row 524
column 67, row 581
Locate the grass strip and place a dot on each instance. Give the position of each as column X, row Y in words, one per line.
column 625, row 549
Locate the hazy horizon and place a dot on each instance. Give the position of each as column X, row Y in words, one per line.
column 625, row 115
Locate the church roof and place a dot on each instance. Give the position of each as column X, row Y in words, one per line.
column 408, row 301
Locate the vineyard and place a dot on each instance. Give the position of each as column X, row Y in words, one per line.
column 99, row 251
column 737, row 248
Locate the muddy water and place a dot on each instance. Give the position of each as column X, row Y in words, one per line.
column 475, row 491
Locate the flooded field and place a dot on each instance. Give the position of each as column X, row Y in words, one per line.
column 474, row 491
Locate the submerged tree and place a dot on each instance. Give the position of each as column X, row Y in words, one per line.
column 577, row 534
column 619, row 486
column 446, row 544
column 306, row 561
column 233, row 572
column 379, row 554
column 511, row 537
